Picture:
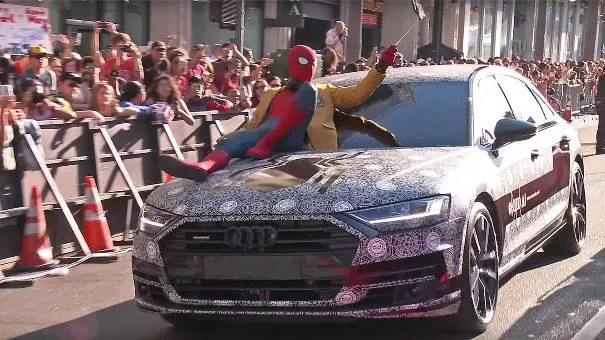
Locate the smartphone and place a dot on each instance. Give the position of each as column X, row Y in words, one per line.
column 38, row 95
column 6, row 91
column 78, row 41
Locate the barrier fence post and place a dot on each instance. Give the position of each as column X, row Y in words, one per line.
column 173, row 143
column 121, row 166
column 55, row 190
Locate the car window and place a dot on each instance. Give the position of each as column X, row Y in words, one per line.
column 419, row 114
column 522, row 101
column 489, row 106
column 546, row 108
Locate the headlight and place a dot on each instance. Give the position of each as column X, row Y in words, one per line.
column 152, row 220
column 410, row 214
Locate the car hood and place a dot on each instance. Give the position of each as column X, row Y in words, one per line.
column 314, row 183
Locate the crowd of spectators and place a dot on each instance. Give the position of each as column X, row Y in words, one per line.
column 124, row 79
column 165, row 81
column 546, row 75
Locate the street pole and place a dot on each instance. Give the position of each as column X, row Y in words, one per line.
column 437, row 30
column 240, row 25
column 239, row 29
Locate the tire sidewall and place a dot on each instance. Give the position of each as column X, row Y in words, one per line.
column 467, row 312
column 569, row 213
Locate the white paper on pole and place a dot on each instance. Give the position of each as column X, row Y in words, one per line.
column 21, row 27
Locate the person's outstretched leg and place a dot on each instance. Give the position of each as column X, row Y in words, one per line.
column 181, row 168
column 233, row 146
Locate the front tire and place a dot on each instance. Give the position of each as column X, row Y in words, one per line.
column 570, row 240
column 480, row 272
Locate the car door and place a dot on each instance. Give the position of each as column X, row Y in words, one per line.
column 539, row 203
column 559, row 133
column 510, row 161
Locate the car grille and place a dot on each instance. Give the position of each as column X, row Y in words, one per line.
column 292, row 237
column 312, row 260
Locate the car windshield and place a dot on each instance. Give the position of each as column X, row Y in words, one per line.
column 419, row 114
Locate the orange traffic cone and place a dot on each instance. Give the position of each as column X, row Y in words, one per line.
column 567, row 112
column 35, row 245
column 96, row 230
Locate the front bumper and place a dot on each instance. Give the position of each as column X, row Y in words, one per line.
column 419, row 280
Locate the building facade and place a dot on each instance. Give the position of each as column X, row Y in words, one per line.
column 557, row 29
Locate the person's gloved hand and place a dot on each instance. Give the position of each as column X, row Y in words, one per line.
column 214, row 105
column 388, row 56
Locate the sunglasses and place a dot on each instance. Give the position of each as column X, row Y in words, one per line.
column 40, row 56
column 73, row 84
column 160, row 49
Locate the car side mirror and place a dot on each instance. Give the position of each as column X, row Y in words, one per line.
column 512, row 130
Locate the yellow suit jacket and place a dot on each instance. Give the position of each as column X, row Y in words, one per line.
column 321, row 131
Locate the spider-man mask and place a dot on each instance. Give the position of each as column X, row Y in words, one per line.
column 301, row 63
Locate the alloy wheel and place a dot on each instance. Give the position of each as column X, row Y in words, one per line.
column 484, row 268
column 578, row 208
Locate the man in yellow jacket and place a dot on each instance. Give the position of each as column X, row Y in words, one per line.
column 285, row 116
column 321, row 132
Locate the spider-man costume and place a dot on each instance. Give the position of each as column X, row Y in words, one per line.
column 283, row 130
column 283, row 127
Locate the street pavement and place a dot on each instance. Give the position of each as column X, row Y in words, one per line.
column 545, row 298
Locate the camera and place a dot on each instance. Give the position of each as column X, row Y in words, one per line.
column 6, row 91
column 163, row 65
column 195, row 79
column 38, row 95
column 126, row 48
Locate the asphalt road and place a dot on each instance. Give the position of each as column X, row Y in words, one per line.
column 546, row 298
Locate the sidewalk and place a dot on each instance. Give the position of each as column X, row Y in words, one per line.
column 585, row 120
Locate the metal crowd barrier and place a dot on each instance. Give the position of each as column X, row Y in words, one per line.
column 121, row 154
column 581, row 98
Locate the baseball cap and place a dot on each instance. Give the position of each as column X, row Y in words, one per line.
column 71, row 76
column 37, row 50
column 157, row 44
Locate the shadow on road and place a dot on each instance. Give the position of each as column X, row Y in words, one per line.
column 536, row 260
column 125, row 321
column 561, row 314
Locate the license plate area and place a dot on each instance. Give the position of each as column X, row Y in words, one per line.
column 252, row 267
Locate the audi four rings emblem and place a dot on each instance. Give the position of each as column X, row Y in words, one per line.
column 250, row 237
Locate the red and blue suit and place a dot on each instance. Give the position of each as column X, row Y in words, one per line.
column 283, row 130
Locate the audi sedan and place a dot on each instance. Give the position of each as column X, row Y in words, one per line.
column 487, row 173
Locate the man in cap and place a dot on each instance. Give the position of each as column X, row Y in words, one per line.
column 150, row 62
column 68, row 90
column 38, row 69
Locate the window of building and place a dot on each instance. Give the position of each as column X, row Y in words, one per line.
column 135, row 20
column 474, row 29
column 487, row 31
column 548, row 29
column 571, row 21
column 580, row 31
column 204, row 31
column 131, row 17
column 556, row 36
column 522, row 32
column 505, row 28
